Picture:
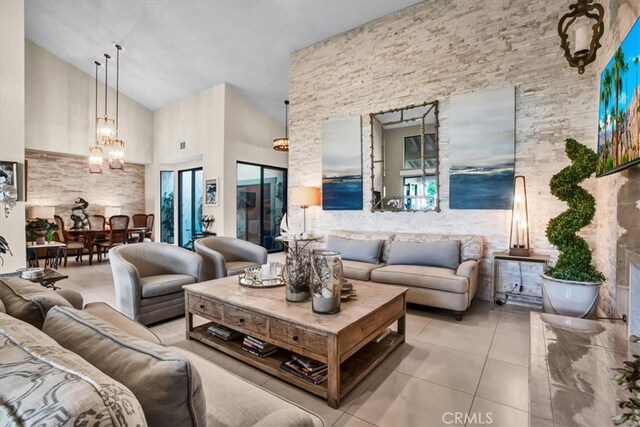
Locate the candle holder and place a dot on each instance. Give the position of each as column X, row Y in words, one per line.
column 519, row 238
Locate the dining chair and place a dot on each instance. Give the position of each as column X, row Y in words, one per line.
column 118, row 233
column 72, row 245
column 139, row 220
column 98, row 222
column 149, row 233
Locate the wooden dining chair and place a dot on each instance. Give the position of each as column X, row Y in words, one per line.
column 118, row 233
column 139, row 220
column 98, row 222
column 72, row 245
column 149, row 233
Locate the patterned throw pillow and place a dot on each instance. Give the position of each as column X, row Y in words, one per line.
column 45, row 385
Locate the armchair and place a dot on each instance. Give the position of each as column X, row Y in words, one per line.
column 228, row 256
column 149, row 277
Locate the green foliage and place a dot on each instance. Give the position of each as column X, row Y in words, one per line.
column 628, row 378
column 574, row 262
column 39, row 224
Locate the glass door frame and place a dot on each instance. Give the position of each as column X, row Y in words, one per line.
column 261, row 186
column 181, row 238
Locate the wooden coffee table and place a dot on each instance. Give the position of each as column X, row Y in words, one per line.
column 344, row 341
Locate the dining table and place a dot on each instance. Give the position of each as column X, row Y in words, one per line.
column 89, row 236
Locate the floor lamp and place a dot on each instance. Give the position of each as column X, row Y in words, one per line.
column 305, row 197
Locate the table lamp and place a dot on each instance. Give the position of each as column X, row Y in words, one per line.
column 305, row 197
column 44, row 212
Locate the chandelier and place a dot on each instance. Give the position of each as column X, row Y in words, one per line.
column 107, row 138
column 282, row 144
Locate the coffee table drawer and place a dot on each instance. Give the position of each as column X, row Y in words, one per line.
column 298, row 337
column 211, row 308
column 246, row 320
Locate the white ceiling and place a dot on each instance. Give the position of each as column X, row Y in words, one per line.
column 175, row 48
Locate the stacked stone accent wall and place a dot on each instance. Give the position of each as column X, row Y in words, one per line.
column 57, row 179
column 435, row 50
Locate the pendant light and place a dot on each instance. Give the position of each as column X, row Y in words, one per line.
column 95, row 150
column 116, row 147
column 282, row 144
column 106, row 126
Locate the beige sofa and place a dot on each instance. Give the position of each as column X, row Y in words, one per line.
column 98, row 367
column 432, row 285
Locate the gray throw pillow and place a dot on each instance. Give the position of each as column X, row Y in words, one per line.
column 166, row 384
column 28, row 301
column 432, row 254
column 356, row 250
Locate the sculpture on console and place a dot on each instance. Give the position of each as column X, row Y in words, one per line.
column 78, row 214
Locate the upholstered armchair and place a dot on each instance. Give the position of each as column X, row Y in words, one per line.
column 228, row 256
column 149, row 277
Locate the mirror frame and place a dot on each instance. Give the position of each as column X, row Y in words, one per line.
column 434, row 107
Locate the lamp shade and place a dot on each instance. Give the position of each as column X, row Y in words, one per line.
column 109, row 211
column 305, row 196
column 44, row 212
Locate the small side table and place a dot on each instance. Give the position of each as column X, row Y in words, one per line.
column 48, row 280
column 504, row 256
column 55, row 252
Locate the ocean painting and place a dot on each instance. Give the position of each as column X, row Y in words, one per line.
column 482, row 149
column 619, row 114
column 342, row 164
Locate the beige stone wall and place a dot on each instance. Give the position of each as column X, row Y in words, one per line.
column 435, row 50
column 57, row 179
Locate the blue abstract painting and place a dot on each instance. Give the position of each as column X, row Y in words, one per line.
column 482, row 149
column 342, row 164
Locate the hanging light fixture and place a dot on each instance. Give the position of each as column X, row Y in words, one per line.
column 106, row 126
column 587, row 33
column 116, row 146
column 282, row 144
column 95, row 150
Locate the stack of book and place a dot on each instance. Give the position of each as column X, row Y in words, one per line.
column 258, row 347
column 223, row 332
column 308, row 369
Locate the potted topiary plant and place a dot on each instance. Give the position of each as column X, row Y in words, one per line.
column 571, row 286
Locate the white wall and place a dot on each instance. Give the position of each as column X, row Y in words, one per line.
column 220, row 127
column 12, row 120
column 249, row 135
column 60, row 108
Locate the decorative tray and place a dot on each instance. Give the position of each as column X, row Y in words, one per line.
column 31, row 273
column 251, row 281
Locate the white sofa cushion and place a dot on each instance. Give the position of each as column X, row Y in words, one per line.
column 419, row 276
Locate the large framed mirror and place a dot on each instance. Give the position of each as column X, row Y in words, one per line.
column 404, row 159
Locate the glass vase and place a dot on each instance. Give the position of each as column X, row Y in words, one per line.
column 326, row 281
column 296, row 274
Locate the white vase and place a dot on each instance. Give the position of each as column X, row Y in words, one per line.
column 569, row 298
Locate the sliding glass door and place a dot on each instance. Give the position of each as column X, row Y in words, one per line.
column 261, row 204
column 167, row 206
column 190, row 199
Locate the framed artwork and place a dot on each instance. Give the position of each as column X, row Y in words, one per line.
column 619, row 112
column 342, row 164
column 211, row 192
column 482, row 149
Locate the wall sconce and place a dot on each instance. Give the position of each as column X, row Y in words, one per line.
column 519, row 239
column 586, row 43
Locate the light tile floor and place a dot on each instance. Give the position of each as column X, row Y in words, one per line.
column 473, row 372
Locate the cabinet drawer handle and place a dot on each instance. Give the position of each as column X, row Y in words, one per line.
column 241, row 320
column 202, row 306
column 295, row 338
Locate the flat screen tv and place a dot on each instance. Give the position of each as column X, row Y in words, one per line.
column 619, row 114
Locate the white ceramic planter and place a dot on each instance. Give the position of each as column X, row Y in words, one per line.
column 567, row 298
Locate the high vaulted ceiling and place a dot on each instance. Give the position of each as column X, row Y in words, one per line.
column 175, row 48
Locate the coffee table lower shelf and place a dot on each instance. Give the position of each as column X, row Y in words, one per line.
column 352, row 370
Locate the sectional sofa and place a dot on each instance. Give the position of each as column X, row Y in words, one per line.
column 60, row 365
column 439, row 270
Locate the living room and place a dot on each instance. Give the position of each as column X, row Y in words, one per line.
column 414, row 144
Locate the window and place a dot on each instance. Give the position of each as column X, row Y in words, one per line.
column 166, row 207
column 412, row 151
column 190, row 194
